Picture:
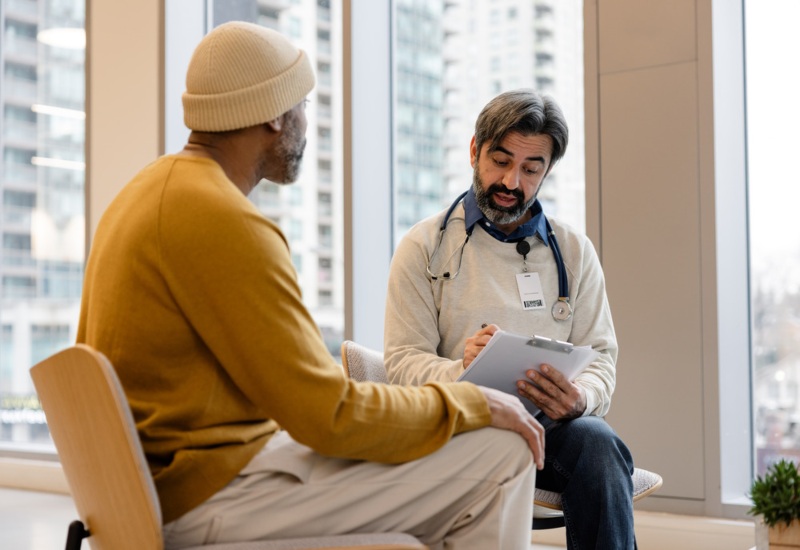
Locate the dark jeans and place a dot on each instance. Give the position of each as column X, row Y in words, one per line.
column 591, row 467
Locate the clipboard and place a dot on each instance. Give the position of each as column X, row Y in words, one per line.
column 506, row 357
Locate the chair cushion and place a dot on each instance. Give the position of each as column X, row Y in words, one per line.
column 364, row 364
column 644, row 484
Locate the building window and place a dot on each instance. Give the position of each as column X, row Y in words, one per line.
column 438, row 94
column 310, row 26
column 42, row 219
column 773, row 194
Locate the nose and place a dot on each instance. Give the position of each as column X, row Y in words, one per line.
column 511, row 178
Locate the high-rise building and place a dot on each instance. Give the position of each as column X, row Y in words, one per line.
column 310, row 211
column 462, row 53
column 42, row 221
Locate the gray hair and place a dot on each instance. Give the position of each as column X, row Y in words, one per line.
column 525, row 111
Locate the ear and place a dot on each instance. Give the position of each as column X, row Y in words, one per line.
column 275, row 125
column 473, row 152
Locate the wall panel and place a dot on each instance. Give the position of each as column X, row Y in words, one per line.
column 646, row 33
column 651, row 212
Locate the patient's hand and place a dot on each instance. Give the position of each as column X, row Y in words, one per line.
column 477, row 342
column 508, row 413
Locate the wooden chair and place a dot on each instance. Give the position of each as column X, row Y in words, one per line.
column 365, row 364
column 94, row 433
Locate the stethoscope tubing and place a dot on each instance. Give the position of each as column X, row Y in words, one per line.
column 563, row 281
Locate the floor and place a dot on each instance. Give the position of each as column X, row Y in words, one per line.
column 38, row 521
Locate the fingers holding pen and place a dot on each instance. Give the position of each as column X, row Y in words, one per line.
column 477, row 342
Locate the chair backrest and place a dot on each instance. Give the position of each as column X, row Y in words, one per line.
column 96, row 439
column 362, row 363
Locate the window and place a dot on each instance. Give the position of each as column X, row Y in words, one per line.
column 438, row 95
column 309, row 210
column 773, row 192
column 42, row 219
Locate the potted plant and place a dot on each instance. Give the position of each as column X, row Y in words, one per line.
column 776, row 498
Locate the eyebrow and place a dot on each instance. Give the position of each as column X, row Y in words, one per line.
column 510, row 154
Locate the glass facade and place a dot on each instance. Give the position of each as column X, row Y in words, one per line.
column 450, row 58
column 772, row 142
column 310, row 210
column 42, row 47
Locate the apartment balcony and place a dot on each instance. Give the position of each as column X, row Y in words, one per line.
column 453, row 50
column 452, row 25
column 325, row 213
column 20, row 48
column 273, row 5
column 26, row 10
column 324, row 253
column 16, row 218
column 324, row 181
column 324, row 50
column 324, row 115
column 325, row 145
column 19, row 174
column 545, row 70
column 18, row 263
column 20, row 133
column 20, row 89
column 324, row 80
column 325, row 276
column 324, row 14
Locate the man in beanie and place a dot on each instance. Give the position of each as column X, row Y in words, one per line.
column 250, row 428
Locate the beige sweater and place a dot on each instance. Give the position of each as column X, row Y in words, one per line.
column 191, row 294
column 428, row 322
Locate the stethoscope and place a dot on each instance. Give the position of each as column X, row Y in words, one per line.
column 562, row 310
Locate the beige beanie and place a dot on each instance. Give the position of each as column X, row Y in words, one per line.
column 241, row 75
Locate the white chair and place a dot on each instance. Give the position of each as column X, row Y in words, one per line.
column 95, row 435
column 365, row 364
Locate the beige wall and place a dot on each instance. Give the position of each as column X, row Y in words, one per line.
column 123, row 96
column 651, row 205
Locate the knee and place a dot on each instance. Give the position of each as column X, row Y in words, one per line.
column 600, row 441
column 498, row 450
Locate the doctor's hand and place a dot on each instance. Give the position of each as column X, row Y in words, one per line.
column 477, row 342
column 508, row 413
column 549, row 390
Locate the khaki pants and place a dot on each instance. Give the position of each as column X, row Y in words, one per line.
column 474, row 493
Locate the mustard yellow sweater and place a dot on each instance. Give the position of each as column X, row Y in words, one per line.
column 190, row 292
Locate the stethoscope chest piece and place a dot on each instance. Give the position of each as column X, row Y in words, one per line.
column 562, row 310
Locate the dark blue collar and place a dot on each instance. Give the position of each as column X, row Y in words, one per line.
column 537, row 225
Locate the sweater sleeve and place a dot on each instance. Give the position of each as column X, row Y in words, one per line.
column 411, row 325
column 593, row 326
column 230, row 273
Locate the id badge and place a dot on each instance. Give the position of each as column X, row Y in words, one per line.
column 530, row 291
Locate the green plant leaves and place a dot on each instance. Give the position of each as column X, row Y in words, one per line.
column 776, row 496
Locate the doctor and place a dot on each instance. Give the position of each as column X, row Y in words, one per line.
column 494, row 260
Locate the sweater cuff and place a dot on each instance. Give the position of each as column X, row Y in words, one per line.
column 592, row 400
column 467, row 401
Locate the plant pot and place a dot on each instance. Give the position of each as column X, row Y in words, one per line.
column 783, row 537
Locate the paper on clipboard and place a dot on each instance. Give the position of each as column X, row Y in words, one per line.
column 506, row 357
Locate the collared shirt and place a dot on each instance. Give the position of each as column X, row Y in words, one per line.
column 537, row 225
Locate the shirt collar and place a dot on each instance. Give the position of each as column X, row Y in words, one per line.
column 537, row 225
